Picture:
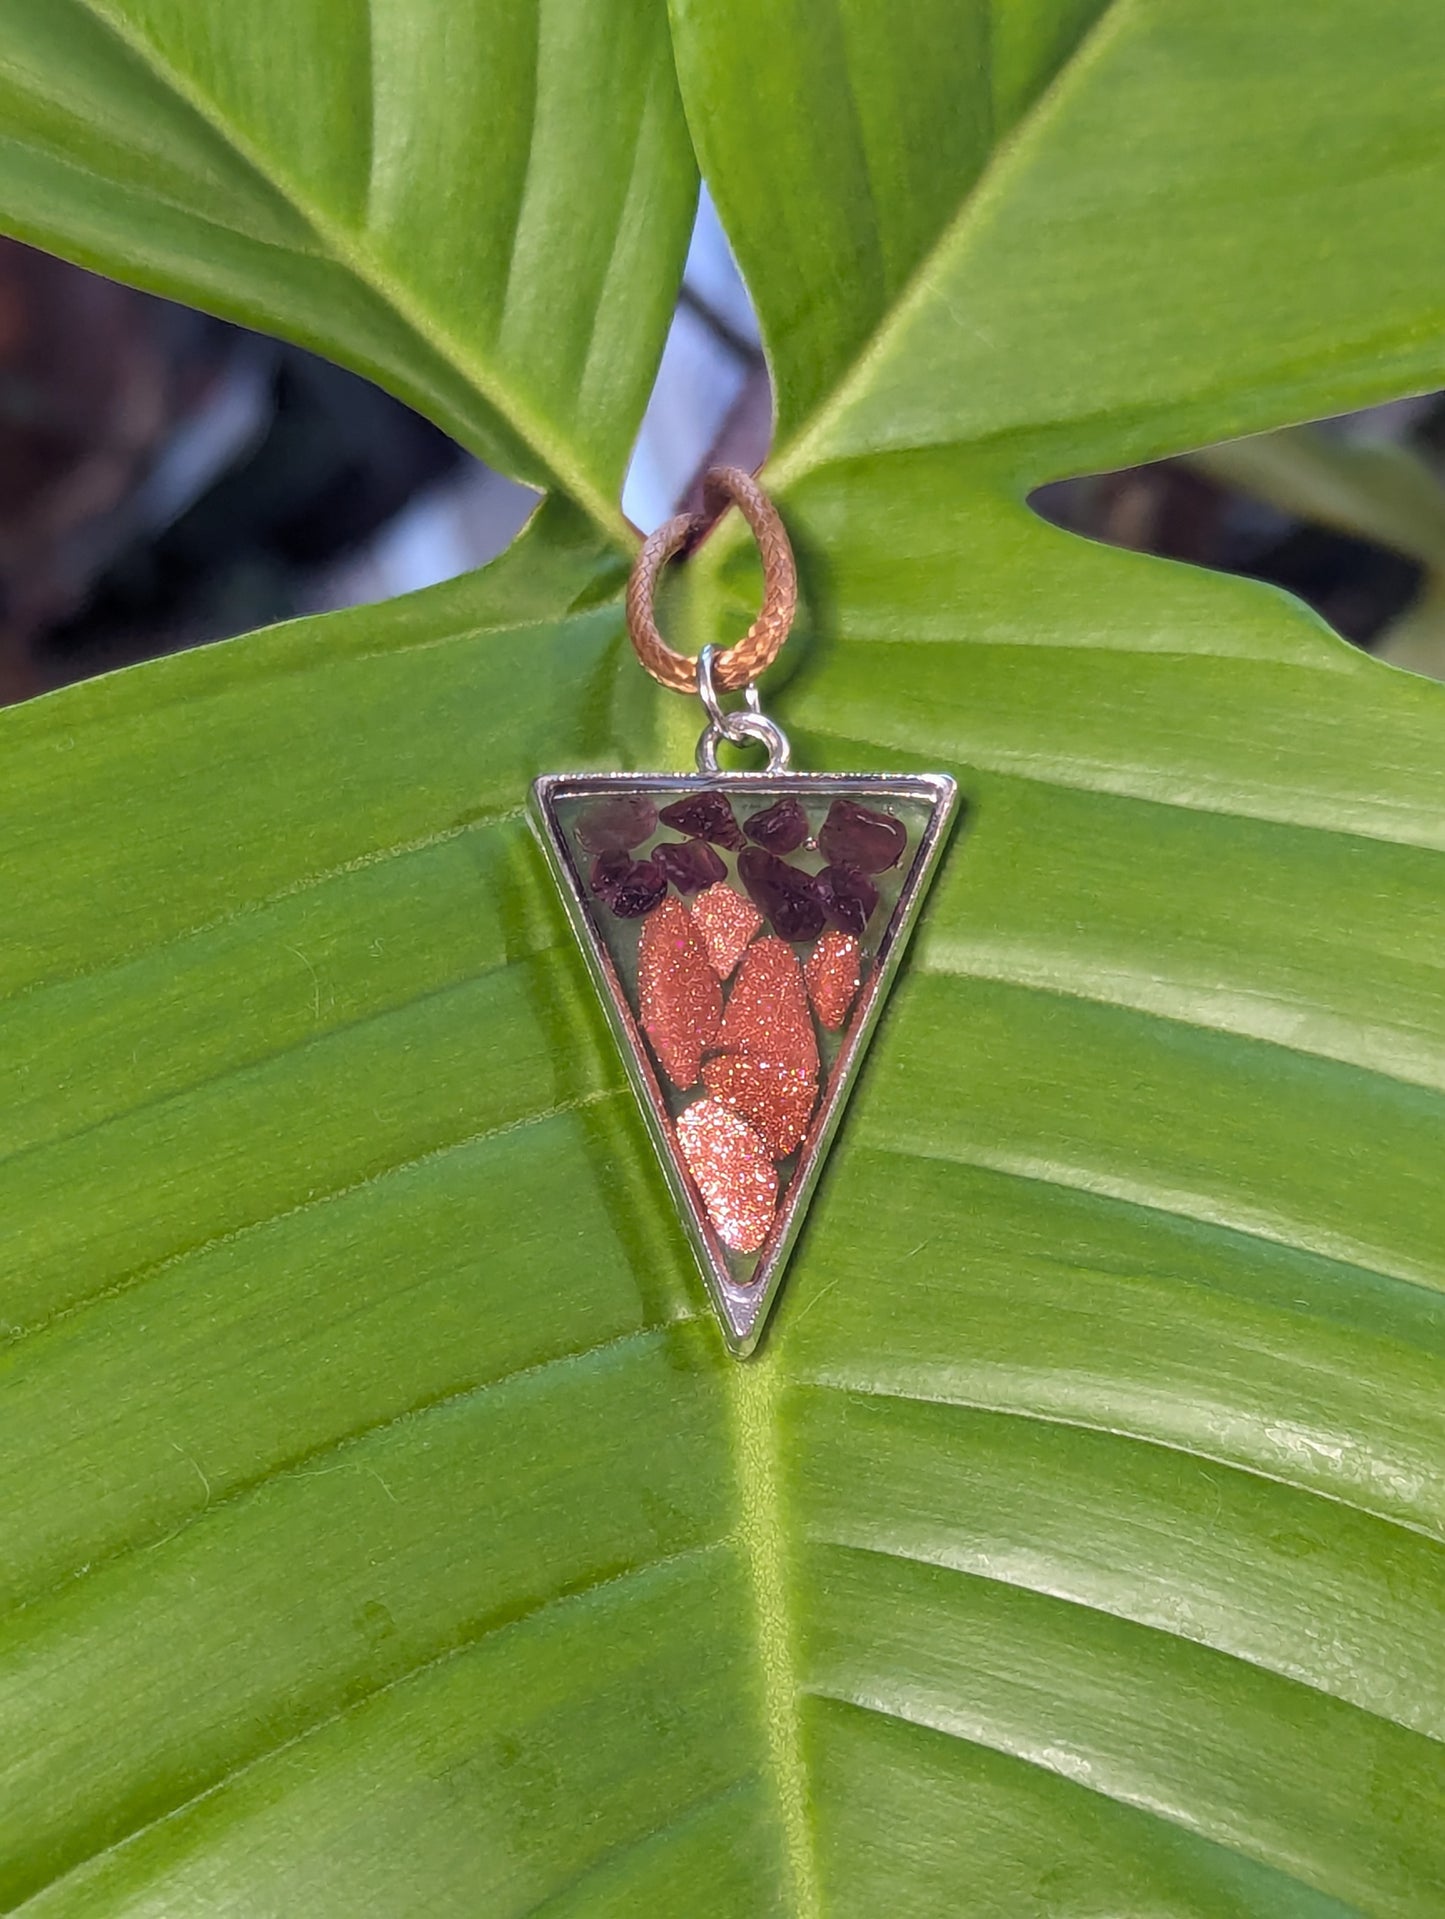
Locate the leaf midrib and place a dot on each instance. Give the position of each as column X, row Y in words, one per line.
column 360, row 262
column 752, row 1388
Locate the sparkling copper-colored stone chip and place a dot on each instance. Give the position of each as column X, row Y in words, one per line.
column 734, row 1174
column 681, row 1000
column 726, row 922
column 833, row 971
column 777, row 1101
column 767, row 1011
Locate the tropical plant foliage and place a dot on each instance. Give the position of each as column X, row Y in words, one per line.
column 385, row 1529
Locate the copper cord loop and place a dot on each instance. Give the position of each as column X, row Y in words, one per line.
column 758, row 648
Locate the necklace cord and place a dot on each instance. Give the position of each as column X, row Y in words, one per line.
column 740, row 665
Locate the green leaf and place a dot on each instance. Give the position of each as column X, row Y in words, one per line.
column 483, row 206
column 1093, row 1445
column 840, row 142
column 386, row 1529
column 1170, row 244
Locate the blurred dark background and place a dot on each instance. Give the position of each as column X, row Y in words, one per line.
column 167, row 479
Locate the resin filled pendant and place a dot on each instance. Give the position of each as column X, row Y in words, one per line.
column 743, row 929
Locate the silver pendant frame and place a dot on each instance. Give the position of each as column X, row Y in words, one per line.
column 743, row 1310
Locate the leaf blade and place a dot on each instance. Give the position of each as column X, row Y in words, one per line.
column 345, row 219
column 1110, row 1354
column 1183, row 286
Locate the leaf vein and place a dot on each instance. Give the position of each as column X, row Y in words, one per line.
column 347, row 252
column 128, row 1282
column 692, row 1814
column 1185, row 1007
column 308, row 883
column 302, row 1465
column 1294, row 1676
column 794, row 459
column 580, row 1594
column 1041, row 1761
column 837, row 1380
column 1180, row 1204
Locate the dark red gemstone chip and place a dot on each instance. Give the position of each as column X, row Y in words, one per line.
column 848, row 897
column 854, row 835
column 630, row 887
column 781, row 828
column 690, row 864
column 705, row 816
column 617, row 824
column 785, row 895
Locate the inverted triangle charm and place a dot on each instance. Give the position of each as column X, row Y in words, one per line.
column 743, row 930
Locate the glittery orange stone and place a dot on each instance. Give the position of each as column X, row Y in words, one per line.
column 777, row 1101
column 833, row 970
column 681, row 1000
column 726, row 922
column 734, row 1174
column 767, row 1012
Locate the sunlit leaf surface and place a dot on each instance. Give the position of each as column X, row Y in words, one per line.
column 385, row 1530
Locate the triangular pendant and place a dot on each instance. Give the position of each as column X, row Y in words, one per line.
column 743, row 929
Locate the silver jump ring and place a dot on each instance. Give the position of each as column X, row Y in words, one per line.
column 728, row 724
column 738, row 728
column 745, row 727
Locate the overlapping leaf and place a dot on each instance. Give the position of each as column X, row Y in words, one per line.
column 384, row 1526
column 481, row 205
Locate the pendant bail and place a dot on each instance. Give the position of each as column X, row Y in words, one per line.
column 752, row 724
